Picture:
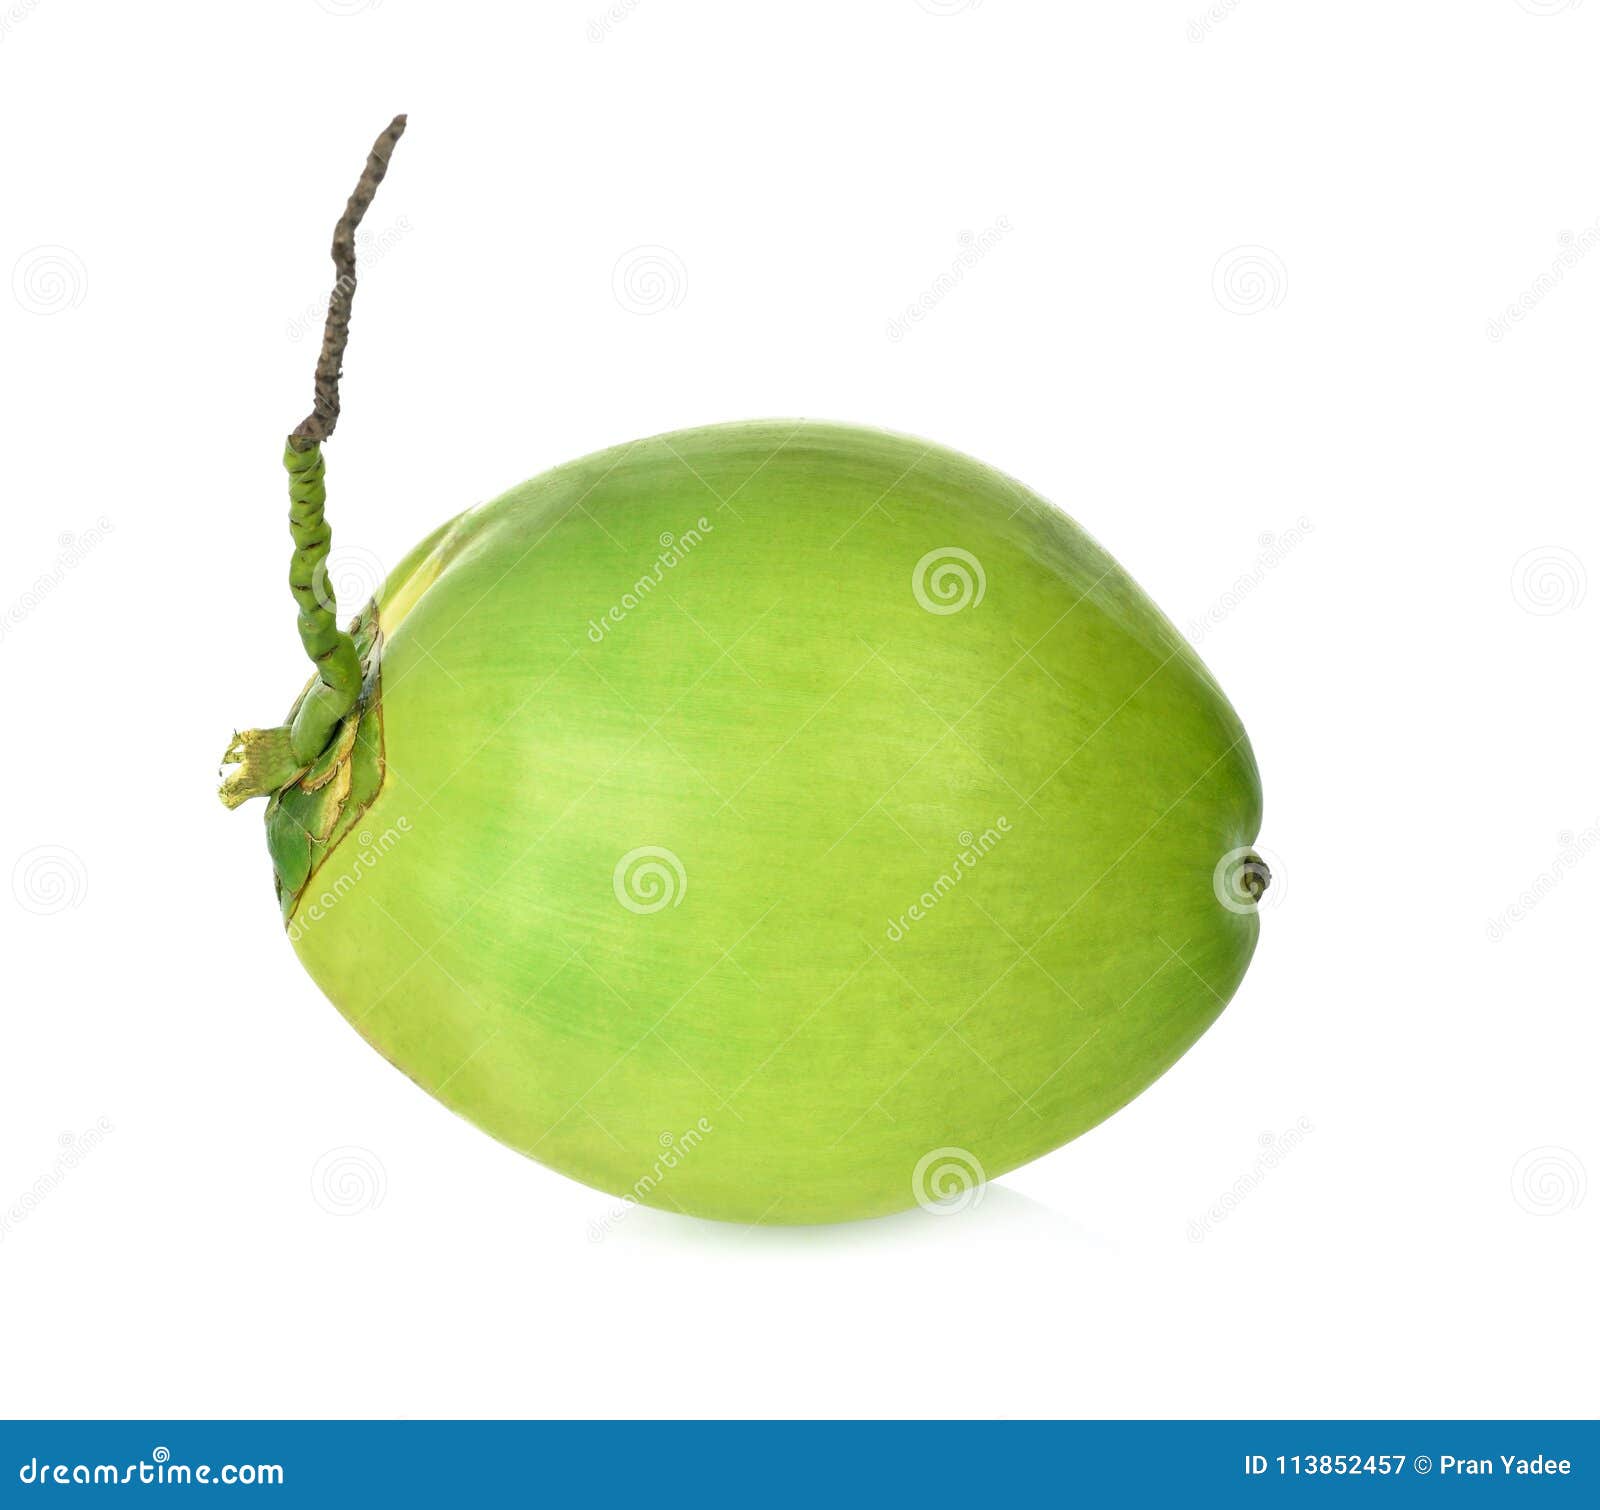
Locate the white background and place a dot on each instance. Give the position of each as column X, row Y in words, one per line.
column 1245, row 283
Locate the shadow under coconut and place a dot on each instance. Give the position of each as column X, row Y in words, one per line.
column 999, row 1213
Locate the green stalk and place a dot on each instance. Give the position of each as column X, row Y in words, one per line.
column 266, row 760
column 331, row 650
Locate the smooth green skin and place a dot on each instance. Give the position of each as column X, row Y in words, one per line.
column 783, row 715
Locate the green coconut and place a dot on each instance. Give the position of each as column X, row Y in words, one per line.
column 774, row 821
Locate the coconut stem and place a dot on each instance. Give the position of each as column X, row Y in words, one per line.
column 332, row 651
column 318, row 425
column 265, row 760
